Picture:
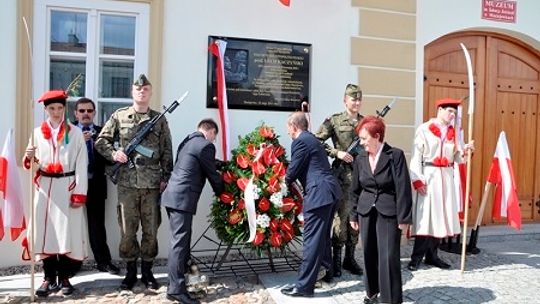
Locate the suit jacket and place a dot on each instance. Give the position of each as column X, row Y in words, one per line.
column 309, row 164
column 388, row 188
column 97, row 185
column 195, row 162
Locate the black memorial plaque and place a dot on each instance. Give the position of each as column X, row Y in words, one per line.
column 261, row 75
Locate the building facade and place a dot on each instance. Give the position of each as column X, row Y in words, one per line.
column 407, row 49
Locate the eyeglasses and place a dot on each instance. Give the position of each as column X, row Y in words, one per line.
column 86, row 110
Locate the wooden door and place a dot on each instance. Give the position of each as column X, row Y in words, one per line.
column 507, row 87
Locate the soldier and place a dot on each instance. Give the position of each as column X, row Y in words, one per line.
column 140, row 181
column 340, row 127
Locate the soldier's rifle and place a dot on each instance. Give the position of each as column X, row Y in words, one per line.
column 135, row 143
column 351, row 149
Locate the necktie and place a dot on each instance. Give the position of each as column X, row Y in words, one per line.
column 90, row 148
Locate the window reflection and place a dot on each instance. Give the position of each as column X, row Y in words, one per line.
column 117, row 35
column 63, row 72
column 68, row 31
column 116, row 78
column 107, row 108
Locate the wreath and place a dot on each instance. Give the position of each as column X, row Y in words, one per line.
column 255, row 191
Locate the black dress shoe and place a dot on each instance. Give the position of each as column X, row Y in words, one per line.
column 183, row 298
column 46, row 288
column 294, row 292
column 413, row 266
column 67, row 288
column 438, row 263
column 108, row 267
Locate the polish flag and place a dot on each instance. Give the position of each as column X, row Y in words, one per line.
column 217, row 48
column 501, row 174
column 11, row 205
column 285, row 2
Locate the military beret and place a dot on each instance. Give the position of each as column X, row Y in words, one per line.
column 53, row 96
column 353, row 91
column 141, row 81
column 447, row 102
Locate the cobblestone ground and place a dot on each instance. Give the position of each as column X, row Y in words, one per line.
column 221, row 291
column 490, row 277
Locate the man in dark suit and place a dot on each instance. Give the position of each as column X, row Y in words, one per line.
column 85, row 111
column 309, row 164
column 195, row 162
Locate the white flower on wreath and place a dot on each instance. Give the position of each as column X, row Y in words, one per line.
column 263, row 220
column 256, row 192
column 277, row 199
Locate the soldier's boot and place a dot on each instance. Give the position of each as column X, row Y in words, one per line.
column 147, row 277
column 131, row 276
column 349, row 263
column 336, row 257
column 473, row 240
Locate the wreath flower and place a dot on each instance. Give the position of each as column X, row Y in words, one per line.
column 261, row 159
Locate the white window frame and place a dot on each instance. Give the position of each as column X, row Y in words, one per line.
column 41, row 41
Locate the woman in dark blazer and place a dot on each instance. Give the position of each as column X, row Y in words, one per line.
column 381, row 187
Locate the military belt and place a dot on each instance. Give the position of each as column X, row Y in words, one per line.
column 430, row 164
column 145, row 161
column 56, row 175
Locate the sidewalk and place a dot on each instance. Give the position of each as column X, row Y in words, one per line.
column 506, row 271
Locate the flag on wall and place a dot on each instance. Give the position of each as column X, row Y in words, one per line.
column 11, row 205
column 217, row 48
column 285, row 2
column 501, row 173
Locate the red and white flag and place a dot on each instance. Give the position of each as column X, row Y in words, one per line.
column 460, row 169
column 217, row 48
column 11, row 205
column 501, row 174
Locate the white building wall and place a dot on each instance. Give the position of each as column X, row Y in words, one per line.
column 326, row 25
column 436, row 18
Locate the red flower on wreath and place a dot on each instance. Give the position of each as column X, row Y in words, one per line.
column 276, row 210
column 226, row 198
column 259, row 238
column 264, row 204
column 228, row 177
column 242, row 161
column 242, row 183
column 266, row 132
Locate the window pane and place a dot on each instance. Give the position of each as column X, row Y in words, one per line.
column 116, row 79
column 68, row 31
column 117, row 35
column 63, row 72
column 107, row 108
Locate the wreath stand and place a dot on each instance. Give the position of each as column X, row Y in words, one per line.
column 237, row 260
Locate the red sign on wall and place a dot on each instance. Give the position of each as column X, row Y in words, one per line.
column 499, row 10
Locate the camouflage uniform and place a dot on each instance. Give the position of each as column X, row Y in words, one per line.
column 138, row 187
column 341, row 129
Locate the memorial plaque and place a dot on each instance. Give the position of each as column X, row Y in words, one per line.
column 261, row 74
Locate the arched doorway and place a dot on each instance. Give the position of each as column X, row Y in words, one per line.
column 507, row 93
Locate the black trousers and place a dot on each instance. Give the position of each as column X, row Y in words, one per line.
column 95, row 211
column 59, row 265
column 180, row 223
column 317, row 246
column 381, row 245
column 425, row 246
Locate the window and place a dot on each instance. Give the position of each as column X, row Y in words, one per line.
column 105, row 41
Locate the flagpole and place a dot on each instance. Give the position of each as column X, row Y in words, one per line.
column 31, row 182
column 469, row 154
